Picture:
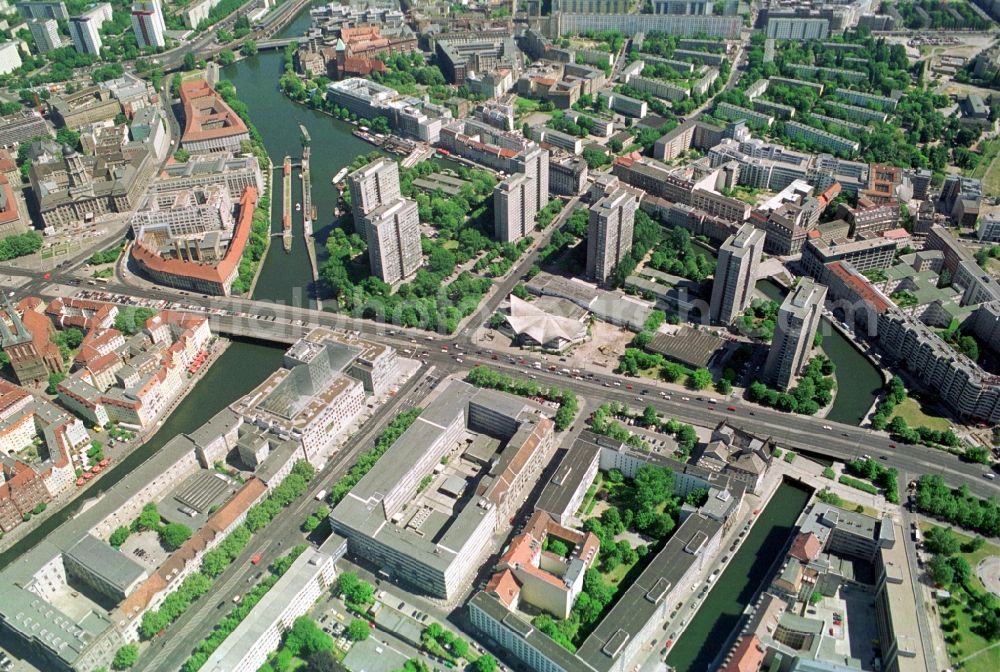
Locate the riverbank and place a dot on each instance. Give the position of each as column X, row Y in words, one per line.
column 120, row 454
column 852, row 363
column 766, row 532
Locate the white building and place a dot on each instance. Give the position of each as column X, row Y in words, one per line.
column 10, row 58
column 86, row 38
column 148, row 24
column 45, row 33
column 311, row 575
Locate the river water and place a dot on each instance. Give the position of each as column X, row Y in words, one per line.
column 287, row 277
column 242, row 367
column 858, row 380
column 736, row 586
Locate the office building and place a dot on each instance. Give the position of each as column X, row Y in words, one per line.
column 798, row 319
column 203, row 171
column 372, row 186
column 514, row 208
column 422, row 519
column 148, row 24
column 568, row 176
column 459, row 57
column 863, row 253
column 736, row 274
column 394, row 240
column 194, row 246
column 84, row 106
column 70, row 187
column 319, row 391
column 45, row 34
column 609, row 234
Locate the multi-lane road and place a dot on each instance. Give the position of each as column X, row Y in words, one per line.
column 272, row 321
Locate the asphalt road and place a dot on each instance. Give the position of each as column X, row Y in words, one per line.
column 171, row 650
column 798, row 432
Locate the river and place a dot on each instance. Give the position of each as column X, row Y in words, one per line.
column 243, row 366
column 748, row 569
column 852, row 400
column 287, row 277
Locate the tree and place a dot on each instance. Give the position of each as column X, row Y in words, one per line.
column 118, row 537
column 650, row 417
column 174, row 535
column 306, row 638
column 357, row 593
column 323, row 661
column 189, row 61
column 226, row 57
column 249, row 48
column 940, row 570
column 699, row 379
column 358, row 630
column 942, row 541
column 125, row 657
column 55, row 378
column 132, row 319
column 149, row 518
column 485, row 663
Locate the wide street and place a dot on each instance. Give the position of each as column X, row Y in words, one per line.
column 169, row 651
column 283, row 323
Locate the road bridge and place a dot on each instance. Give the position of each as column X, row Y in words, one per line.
column 282, row 323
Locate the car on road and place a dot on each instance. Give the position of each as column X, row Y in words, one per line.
column 255, row 559
column 990, row 475
column 827, row 427
column 731, row 409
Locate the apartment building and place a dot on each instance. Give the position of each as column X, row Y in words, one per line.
column 798, row 319
column 514, row 207
column 148, row 24
column 609, row 236
column 394, row 250
column 371, row 186
column 736, row 274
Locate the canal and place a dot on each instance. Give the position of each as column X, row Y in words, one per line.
column 243, row 366
column 735, row 588
column 853, row 399
column 287, row 277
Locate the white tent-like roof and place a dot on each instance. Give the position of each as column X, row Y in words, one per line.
column 543, row 328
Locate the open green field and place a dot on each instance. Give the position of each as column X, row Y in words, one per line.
column 971, row 653
column 916, row 415
column 988, row 169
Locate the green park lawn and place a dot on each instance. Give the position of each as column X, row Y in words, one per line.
column 916, row 415
column 974, row 654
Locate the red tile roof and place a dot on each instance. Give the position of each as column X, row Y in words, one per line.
column 806, row 547
column 505, row 587
column 206, row 115
column 860, row 286
column 222, row 272
column 748, row 656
